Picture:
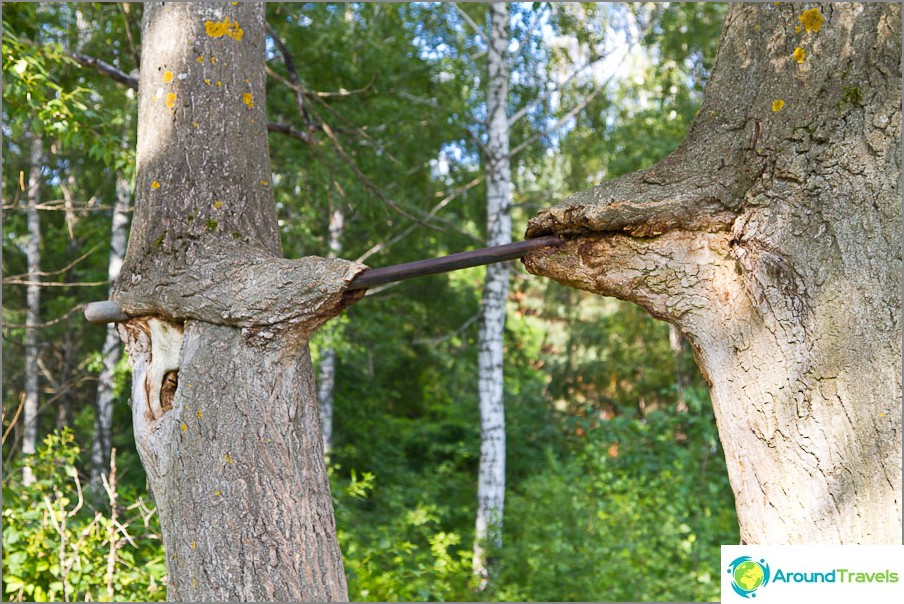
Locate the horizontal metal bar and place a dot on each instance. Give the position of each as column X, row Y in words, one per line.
column 452, row 262
column 109, row 311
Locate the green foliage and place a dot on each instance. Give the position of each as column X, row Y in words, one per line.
column 636, row 513
column 56, row 547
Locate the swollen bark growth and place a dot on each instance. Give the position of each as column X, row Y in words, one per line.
column 491, row 479
column 772, row 239
column 223, row 398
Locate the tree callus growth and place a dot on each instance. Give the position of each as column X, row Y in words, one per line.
column 772, row 239
column 224, row 403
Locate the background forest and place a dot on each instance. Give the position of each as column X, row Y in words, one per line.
column 615, row 486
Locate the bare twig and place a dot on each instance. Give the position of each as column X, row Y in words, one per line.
column 12, row 423
column 57, row 271
column 467, row 18
column 104, row 68
column 407, row 231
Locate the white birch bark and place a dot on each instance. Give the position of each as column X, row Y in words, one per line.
column 112, row 351
column 326, row 378
column 33, row 306
column 491, row 478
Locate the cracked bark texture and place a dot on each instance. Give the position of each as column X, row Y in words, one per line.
column 223, row 399
column 772, row 240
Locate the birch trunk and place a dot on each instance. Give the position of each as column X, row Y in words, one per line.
column 224, row 404
column 491, row 477
column 32, row 306
column 112, row 349
column 772, row 239
column 327, row 372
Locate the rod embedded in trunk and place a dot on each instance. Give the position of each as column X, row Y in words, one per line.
column 109, row 311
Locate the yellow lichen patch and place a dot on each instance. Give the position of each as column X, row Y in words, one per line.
column 213, row 60
column 170, row 99
column 811, row 19
column 184, row 427
column 797, row 29
column 194, row 583
column 194, row 545
column 200, row 59
column 229, row 459
column 799, row 55
column 777, row 105
column 155, row 185
column 194, row 124
column 248, row 99
column 217, row 205
column 217, row 493
column 219, row 83
column 265, row 183
column 218, row 29
column 206, row 81
column 167, row 76
column 199, row 414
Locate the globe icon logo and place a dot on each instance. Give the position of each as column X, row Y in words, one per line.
column 748, row 575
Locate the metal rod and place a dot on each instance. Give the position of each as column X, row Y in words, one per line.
column 452, row 262
column 109, row 311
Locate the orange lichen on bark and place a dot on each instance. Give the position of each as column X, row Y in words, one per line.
column 811, row 19
column 248, row 99
column 799, row 55
column 155, row 185
column 777, row 105
column 167, row 76
column 218, row 29
column 170, row 99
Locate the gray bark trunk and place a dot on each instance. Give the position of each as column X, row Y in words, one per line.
column 772, row 239
column 326, row 382
column 223, row 398
column 32, row 306
column 112, row 351
column 491, row 473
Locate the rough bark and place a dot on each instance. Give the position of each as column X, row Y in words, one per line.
column 223, row 397
column 491, row 472
column 32, row 306
column 101, row 445
column 772, row 239
column 326, row 381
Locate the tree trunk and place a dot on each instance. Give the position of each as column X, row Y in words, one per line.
column 32, row 306
column 111, row 352
column 682, row 379
column 491, row 478
column 326, row 382
column 772, row 239
column 223, row 398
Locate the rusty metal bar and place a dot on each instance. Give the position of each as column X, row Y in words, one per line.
column 109, row 311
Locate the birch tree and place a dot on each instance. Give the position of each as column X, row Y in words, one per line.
column 772, row 239
column 491, row 473
column 224, row 405
column 111, row 352
column 33, row 304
